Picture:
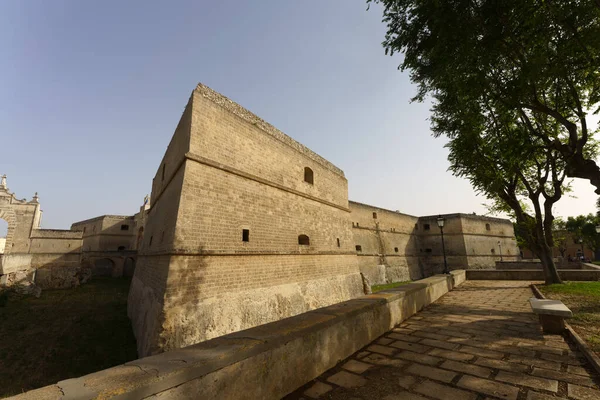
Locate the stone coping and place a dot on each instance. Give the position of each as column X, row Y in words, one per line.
column 283, row 355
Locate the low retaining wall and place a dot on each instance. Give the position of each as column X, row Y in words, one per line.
column 265, row 362
column 502, row 265
column 588, row 266
column 531, row 275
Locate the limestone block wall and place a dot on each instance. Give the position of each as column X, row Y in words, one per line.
column 22, row 217
column 430, row 244
column 56, row 258
column 235, row 213
column 107, row 232
column 388, row 244
column 488, row 240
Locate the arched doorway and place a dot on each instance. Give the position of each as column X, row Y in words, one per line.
column 103, row 267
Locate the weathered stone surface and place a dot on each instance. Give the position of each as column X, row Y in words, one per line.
column 347, row 380
column 431, row 372
column 442, row 392
column 317, row 389
column 528, row 380
column 356, row 366
column 489, row 387
column 583, row 393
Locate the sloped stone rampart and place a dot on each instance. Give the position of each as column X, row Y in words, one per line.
column 264, row 362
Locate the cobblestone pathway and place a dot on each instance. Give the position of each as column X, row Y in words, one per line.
column 480, row 341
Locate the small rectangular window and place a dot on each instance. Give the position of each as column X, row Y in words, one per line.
column 150, row 243
column 124, row 227
column 338, row 242
column 396, row 249
column 245, row 235
column 427, row 250
column 374, row 215
column 426, row 227
column 358, row 247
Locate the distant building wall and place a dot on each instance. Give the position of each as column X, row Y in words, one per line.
column 107, row 233
column 385, row 243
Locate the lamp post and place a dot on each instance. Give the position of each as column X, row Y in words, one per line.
column 596, row 251
column 500, row 245
column 581, row 243
column 440, row 222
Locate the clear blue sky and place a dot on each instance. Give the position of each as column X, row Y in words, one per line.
column 90, row 93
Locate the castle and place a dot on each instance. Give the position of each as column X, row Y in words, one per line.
column 246, row 226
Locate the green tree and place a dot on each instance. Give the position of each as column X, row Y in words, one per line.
column 511, row 169
column 526, row 71
column 538, row 58
column 584, row 227
column 561, row 236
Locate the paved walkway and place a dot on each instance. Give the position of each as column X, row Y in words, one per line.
column 480, row 341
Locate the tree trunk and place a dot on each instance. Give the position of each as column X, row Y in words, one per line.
column 550, row 272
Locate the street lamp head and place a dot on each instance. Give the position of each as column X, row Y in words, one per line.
column 440, row 221
column 580, row 240
column 598, row 229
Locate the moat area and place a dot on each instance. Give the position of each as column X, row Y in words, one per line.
column 63, row 334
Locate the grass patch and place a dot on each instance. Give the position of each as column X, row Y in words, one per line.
column 64, row 334
column 583, row 298
column 591, row 289
column 379, row 288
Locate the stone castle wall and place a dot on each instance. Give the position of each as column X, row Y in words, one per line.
column 237, row 175
column 242, row 211
column 388, row 244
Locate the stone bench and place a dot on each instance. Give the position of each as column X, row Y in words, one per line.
column 552, row 314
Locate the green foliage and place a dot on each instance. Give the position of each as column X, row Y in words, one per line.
column 527, row 63
column 511, row 83
column 560, row 235
column 584, row 227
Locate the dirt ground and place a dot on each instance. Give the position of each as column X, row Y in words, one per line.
column 63, row 334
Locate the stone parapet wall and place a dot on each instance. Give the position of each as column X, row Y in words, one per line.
column 265, row 362
column 532, row 274
column 588, row 266
column 55, row 234
column 503, row 265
